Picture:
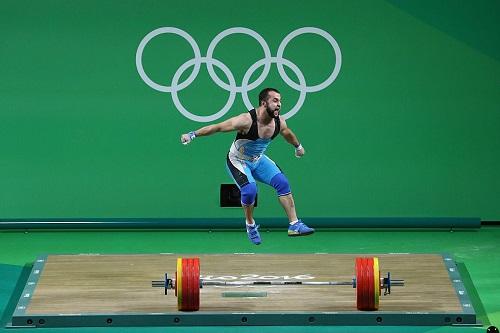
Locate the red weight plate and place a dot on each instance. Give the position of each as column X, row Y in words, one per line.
column 366, row 294
column 365, row 284
column 370, row 296
column 190, row 288
column 196, row 289
column 186, row 279
column 190, row 284
column 360, row 284
column 194, row 284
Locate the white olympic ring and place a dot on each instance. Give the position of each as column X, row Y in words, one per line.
column 232, row 88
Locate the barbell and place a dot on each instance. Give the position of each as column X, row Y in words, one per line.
column 367, row 282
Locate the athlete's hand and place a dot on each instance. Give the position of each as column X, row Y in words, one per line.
column 187, row 138
column 299, row 151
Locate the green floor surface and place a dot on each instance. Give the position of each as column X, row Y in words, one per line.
column 476, row 252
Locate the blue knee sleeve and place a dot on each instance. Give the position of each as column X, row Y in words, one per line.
column 248, row 193
column 280, row 184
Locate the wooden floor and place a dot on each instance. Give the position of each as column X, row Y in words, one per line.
column 71, row 284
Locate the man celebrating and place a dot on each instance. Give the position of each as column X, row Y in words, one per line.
column 247, row 163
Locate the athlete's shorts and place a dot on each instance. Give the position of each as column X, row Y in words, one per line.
column 246, row 171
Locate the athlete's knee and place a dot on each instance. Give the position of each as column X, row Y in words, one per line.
column 248, row 194
column 280, row 184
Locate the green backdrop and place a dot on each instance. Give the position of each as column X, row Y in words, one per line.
column 410, row 127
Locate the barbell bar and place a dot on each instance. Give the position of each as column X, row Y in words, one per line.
column 367, row 281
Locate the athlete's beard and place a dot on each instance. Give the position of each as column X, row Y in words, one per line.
column 271, row 113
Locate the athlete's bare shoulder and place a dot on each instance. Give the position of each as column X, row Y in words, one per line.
column 283, row 122
column 243, row 122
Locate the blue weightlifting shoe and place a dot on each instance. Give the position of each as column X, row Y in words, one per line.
column 299, row 229
column 253, row 234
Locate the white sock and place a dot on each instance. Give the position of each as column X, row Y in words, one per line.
column 250, row 224
column 293, row 222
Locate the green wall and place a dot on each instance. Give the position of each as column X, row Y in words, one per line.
column 409, row 128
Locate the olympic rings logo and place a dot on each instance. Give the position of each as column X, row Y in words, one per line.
column 245, row 86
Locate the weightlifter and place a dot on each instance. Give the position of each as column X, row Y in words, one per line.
column 247, row 163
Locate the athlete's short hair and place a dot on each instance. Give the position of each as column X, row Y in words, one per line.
column 265, row 93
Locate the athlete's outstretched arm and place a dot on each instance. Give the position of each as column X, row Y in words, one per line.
column 238, row 123
column 291, row 138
